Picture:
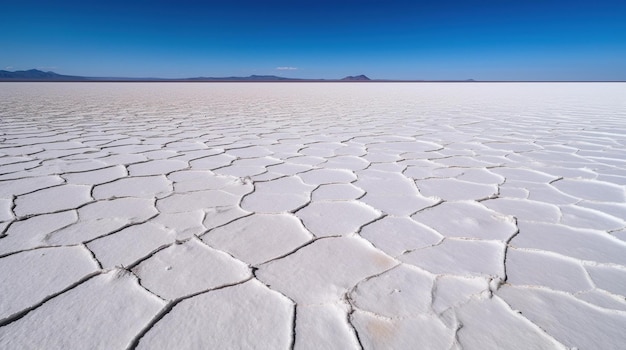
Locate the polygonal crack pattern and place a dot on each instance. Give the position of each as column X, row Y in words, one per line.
column 312, row 216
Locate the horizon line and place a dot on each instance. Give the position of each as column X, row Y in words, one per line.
column 173, row 80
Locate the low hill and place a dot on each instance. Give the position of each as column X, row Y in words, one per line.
column 356, row 78
column 36, row 75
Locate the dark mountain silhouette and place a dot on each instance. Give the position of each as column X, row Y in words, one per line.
column 356, row 78
column 36, row 75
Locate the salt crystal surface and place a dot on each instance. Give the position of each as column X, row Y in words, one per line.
column 184, row 224
column 324, row 270
column 528, row 268
column 392, row 192
column 212, row 162
column 130, row 244
column 333, row 218
column 193, row 180
column 124, row 159
column 592, row 190
column 454, row 189
column 575, row 216
column 603, row 299
column 142, row 187
column 102, row 218
column 467, row 219
column 381, row 333
column 247, row 316
column 397, row 235
column 324, row 326
column 260, row 237
column 454, row 291
column 327, row 176
column 249, row 152
column 547, row 193
column 288, row 169
column 6, row 213
column 398, row 293
column 60, row 166
column 156, row 167
column 617, row 210
column 218, row 216
column 611, row 279
column 19, row 170
column 349, row 162
column 107, row 311
column 566, row 318
column 42, row 272
column 460, row 257
column 34, row 232
column 483, row 318
column 184, row 269
column 337, row 192
column 461, row 215
column 581, row 244
column 481, row 176
column 525, row 210
column 188, row 201
column 241, row 170
column 281, row 195
column 523, row 174
column 66, row 197
column 94, row 177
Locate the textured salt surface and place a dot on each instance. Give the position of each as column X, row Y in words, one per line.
column 313, row 216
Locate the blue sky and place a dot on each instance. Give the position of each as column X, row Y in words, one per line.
column 384, row 39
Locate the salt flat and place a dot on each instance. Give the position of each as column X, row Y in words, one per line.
column 313, row 215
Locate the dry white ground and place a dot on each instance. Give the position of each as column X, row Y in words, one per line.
column 312, row 216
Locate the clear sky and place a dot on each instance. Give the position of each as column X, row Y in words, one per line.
column 383, row 39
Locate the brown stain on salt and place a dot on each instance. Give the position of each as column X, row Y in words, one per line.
column 380, row 330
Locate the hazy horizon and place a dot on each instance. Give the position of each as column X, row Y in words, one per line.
column 406, row 40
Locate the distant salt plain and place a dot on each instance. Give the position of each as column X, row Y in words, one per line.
column 313, row 215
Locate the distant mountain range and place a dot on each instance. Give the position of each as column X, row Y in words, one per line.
column 38, row 75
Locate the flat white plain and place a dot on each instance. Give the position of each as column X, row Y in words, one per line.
column 313, row 215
